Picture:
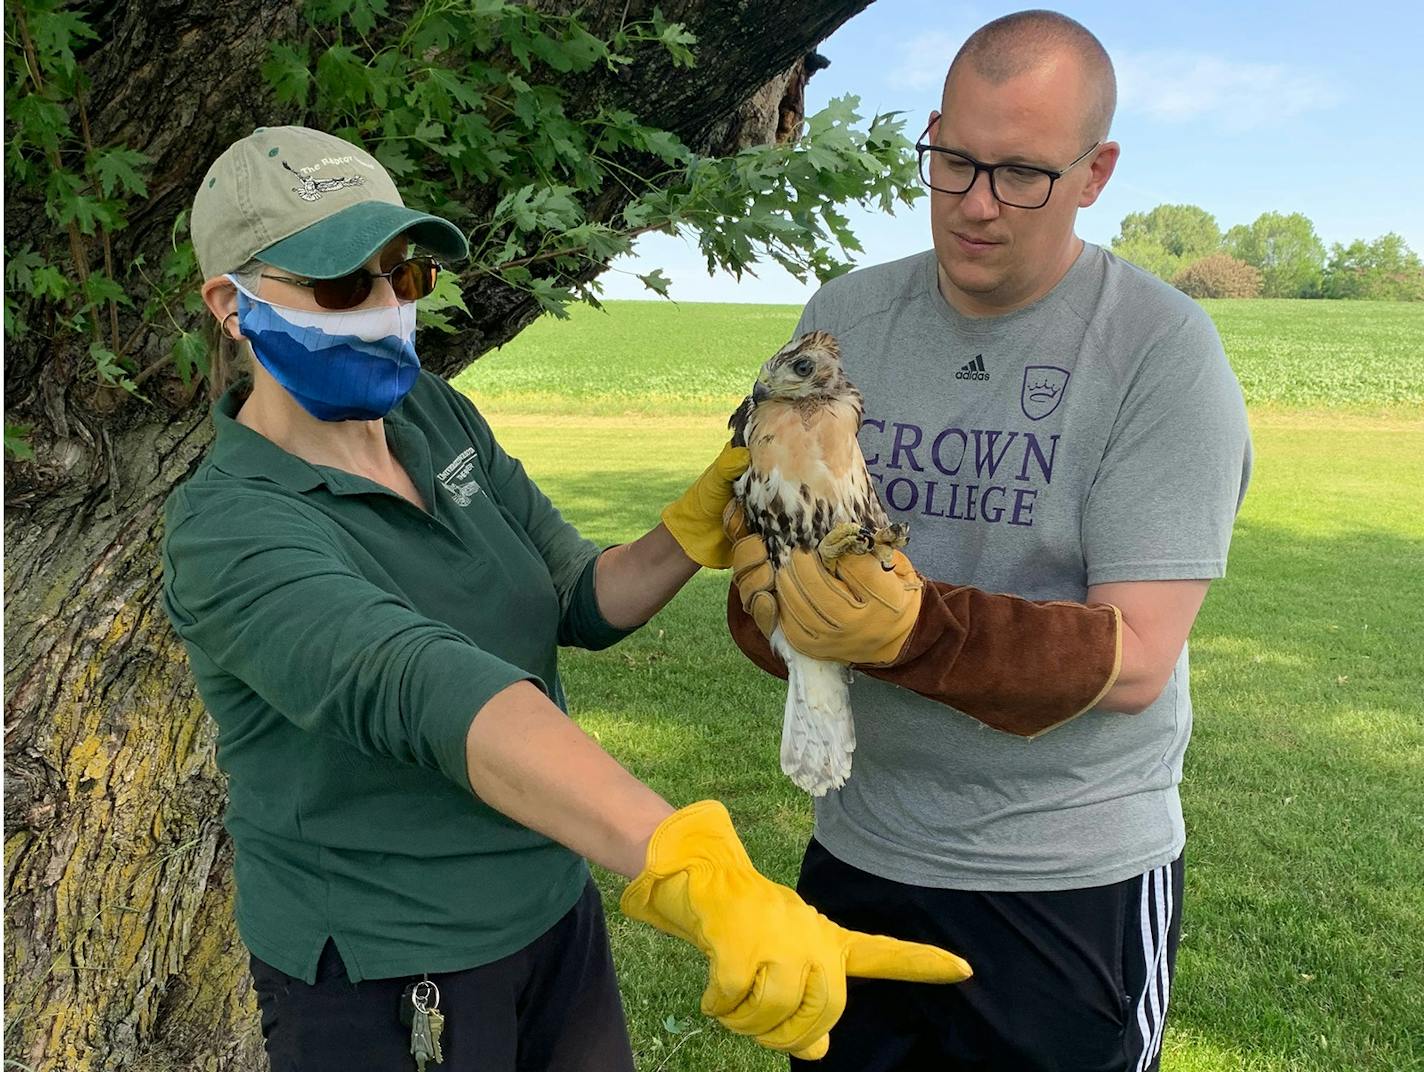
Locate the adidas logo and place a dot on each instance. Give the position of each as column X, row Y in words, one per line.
column 974, row 370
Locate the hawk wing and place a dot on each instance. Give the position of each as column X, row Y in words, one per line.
column 739, row 420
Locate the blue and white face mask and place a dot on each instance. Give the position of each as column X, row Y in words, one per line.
column 348, row 365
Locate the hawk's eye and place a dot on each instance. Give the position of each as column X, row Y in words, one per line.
column 804, row 367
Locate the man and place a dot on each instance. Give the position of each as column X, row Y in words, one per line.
column 1056, row 424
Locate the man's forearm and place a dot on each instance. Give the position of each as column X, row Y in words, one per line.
column 635, row 580
column 526, row 759
column 1020, row 666
column 1157, row 616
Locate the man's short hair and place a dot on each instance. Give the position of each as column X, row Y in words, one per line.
column 1017, row 43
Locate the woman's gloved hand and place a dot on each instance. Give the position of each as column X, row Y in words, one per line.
column 861, row 613
column 695, row 517
column 777, row 968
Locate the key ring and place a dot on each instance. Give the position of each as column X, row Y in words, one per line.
column 423, row 992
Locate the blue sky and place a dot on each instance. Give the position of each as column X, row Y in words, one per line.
column 1241, row 108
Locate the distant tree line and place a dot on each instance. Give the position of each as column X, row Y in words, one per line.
column 1277, row 256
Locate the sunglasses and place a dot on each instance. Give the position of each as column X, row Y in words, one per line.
column 411, row 279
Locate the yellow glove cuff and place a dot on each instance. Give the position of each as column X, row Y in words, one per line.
column 695, row 517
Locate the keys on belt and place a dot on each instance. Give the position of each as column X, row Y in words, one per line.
column 420, row 1009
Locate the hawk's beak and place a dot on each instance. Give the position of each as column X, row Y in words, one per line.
column 760, row 392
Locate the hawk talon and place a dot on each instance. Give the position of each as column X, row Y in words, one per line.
column 845, row 539
column 886, row 541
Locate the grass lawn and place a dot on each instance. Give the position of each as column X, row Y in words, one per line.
column 1304, row 789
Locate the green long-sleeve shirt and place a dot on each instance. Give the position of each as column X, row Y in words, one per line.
column 343, row 640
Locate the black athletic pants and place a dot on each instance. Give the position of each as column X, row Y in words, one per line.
column 551, row 1007
column 1064, row 981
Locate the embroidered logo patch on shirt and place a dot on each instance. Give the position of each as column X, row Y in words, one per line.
column 454, row 478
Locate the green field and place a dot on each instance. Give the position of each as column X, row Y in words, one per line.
column 1304, row 789
column 657, row 358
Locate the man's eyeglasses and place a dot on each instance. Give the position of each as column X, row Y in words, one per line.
column 1016, row 185
column 411, row 280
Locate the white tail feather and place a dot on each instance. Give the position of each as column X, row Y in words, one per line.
column 818, row 734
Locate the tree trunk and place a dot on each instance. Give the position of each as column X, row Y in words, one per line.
column 120, row 947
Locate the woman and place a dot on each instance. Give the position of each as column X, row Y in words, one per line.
column 371, row 593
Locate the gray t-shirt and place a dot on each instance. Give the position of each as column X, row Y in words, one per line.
column 1097, row 435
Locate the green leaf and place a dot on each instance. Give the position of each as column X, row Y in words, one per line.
column 433, row 310
column 552, row 52
column 66, row 205
column 529, row 108
column 427, row 318
column 180, row 265
column 55, row 33
column 532, row 208
column 288, row 72
column 117, row 168
column 520, row 50
column 20, row 267
column 341, row 78
column 99, row 288
column 49, row 282
column 364, row 14
column 675, row 37
column 428, row 131
column 838, row 111
column 585, row 49
column 17, row 441
column 664, row 145
column 110, row 368
column 432, row 34
column 15, row 325
column 190, row 353
column 552, row 297
column 464, row 93
column 656, row 281
column 637, row 214
column 395, row 159
column 37, row 122
column 113, row 370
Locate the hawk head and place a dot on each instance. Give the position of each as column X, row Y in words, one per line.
column 804, row 368
column 806, row 373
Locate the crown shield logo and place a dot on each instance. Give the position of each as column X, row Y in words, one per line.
column 1043, row 387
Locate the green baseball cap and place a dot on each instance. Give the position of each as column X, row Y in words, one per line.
column 306, row 202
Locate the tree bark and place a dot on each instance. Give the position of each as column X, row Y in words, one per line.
column 120, row 947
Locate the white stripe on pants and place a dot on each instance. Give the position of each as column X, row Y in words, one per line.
column 1156, row 920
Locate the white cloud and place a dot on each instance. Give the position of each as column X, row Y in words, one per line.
column 1179, row 87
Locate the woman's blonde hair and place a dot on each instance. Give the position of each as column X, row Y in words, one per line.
column 229, row 359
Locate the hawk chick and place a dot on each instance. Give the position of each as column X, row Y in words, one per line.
column 808, row 489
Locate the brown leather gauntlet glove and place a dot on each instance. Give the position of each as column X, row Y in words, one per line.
column 1017, row 665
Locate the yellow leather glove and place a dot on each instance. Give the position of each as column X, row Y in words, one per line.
column 777, row 968
column 751, row 570
column 695, row 517
column 860, row 614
